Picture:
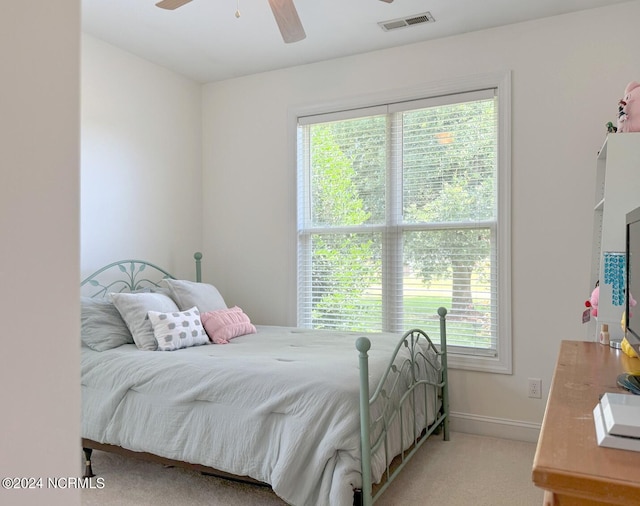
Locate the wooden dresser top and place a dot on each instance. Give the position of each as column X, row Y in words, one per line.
column 568, row 460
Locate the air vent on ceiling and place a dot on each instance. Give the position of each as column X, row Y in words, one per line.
column 416, row 19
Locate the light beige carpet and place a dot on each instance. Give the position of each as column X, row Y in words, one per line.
column 467, row 470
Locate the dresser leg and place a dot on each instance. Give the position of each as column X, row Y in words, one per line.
column 549, row 498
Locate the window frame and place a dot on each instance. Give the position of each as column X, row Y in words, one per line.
column 501, row 81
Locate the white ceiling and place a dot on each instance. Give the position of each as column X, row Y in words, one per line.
column 206, row 42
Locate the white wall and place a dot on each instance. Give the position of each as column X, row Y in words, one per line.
column 141, row 161
column 568, row 73
column 39, row 226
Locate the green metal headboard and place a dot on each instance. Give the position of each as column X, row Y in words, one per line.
column 132, row 275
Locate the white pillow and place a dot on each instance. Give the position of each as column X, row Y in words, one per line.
column 189, row 293
column 178, row 329
column 134, row 307
column 102, row 327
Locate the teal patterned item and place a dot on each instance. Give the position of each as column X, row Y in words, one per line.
column 614, row 265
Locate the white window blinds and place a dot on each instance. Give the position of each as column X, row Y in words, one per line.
column 398, row 215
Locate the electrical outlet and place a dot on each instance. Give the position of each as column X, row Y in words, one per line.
column 535, row 388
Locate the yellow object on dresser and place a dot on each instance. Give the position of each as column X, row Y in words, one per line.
column 630, row 364
column 568, row 464
column 627, row 349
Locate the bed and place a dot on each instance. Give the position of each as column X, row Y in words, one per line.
column 322, row 417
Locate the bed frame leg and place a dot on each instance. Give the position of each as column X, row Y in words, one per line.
column 442, row 312
column 88, row 472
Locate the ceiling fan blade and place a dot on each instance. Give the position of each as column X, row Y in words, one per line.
column 288, row 21
column 171, row 4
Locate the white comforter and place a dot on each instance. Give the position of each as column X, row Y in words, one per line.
column 280, row 406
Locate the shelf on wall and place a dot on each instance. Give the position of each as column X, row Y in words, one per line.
column 602, row 154
column 616, row 182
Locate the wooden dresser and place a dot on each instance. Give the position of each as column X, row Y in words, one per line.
column 569, row 465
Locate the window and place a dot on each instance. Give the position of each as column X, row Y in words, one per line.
column 403, row 208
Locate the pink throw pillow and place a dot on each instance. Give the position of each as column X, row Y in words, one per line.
column 225, row 324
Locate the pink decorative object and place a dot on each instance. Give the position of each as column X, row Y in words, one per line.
column 629, row 109
column 595, row 298
column 223, row 325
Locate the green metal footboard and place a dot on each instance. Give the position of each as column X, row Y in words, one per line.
column 410, row 377
column 131, row 275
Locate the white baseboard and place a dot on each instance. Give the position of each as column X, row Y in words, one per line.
column 495, row 427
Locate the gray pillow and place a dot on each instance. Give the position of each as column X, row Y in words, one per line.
column 101, row 325
column 189, row 293
column 134, row 309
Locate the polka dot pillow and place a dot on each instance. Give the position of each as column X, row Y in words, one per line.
column 178, row 329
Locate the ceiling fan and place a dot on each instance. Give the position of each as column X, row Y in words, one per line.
column 283, row 10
